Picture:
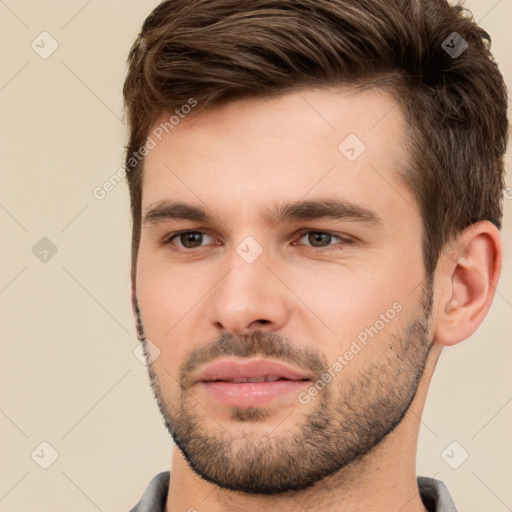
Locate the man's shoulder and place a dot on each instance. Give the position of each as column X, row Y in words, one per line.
column 435, row 495
column 433, row 492
column 155, row 495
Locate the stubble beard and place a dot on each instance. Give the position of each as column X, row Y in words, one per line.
column 348, row 420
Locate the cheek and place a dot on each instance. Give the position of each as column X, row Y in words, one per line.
column 344, row 304
column 165, row 297
column 163, row 308
column 172, row 300
column 365, row 301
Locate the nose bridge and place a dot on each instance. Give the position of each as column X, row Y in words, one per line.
column 249, row 295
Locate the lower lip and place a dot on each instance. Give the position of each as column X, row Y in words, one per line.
column 252, row 394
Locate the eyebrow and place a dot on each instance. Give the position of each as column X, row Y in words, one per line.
column 288, row 212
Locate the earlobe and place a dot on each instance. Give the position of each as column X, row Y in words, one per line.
column 467, row 276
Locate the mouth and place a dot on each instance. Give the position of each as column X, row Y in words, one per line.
column 265, row 378
column 252, row 382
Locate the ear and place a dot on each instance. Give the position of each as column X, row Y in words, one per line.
column 466, row 277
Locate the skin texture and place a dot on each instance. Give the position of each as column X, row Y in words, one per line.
column 303, row 300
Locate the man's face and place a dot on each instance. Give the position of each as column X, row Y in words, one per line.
column 340, row 301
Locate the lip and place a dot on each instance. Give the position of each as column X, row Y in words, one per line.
column 251, row 394
column 229, row 369
column 217, row 381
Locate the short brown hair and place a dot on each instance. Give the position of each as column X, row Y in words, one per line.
column 216, row 51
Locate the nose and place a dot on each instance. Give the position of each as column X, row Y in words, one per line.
column 249, row 297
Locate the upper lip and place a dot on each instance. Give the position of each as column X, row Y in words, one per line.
column 229, row 369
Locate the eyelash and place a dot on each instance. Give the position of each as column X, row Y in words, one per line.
column 344, row 240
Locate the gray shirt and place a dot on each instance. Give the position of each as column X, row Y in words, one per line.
column 434, row 495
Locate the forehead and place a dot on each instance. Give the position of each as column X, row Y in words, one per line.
column 338, row 142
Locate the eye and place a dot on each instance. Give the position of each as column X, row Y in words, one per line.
column 187, row 239
column 322, row 239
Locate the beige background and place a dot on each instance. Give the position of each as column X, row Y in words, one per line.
column 68, row 374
